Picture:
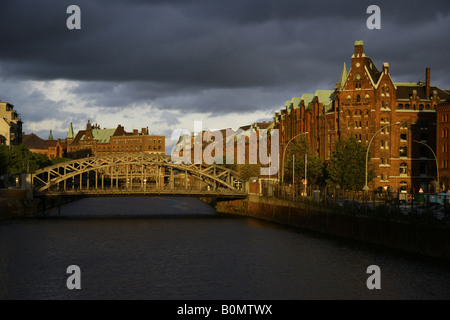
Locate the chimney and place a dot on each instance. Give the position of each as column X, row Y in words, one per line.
column 386, row 67
column 427, row 83
column 359, row 48
column 89, row 131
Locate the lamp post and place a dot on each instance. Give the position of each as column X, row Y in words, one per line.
column 435, row 158
column 366, row 187
column 284, row 153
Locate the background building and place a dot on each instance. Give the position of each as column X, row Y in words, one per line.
column 51, row 148
column 10, row 125
column 95, row 141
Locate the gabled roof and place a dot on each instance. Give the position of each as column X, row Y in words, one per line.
column 103, row 135
column 372, row 70
column 51, row 143
column 32, row 141
column 307, row 98
column 325, row 96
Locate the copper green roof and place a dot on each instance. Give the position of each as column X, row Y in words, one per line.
column 70, row 135
column 307, row 97
column 325, row 96
column 101, row 135
column 343, row 77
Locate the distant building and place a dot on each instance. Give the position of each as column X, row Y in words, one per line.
column 51, row 148
column 249, row 154
column 95, row 141
column 10, row 125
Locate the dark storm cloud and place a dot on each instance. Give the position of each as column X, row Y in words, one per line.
column 220, row 56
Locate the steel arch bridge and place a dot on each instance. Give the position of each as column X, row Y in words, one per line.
column 136, row 174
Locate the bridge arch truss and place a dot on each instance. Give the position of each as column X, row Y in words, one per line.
column 138, row 172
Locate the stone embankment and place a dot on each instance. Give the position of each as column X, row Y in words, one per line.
column 430, row 238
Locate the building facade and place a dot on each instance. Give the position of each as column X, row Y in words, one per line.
column 398, row 120
column 443, row 143
column 10, row 125
column 94, row 141
column 51, row 148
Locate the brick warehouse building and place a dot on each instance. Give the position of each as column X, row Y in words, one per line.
column 363, row 102
column 442, row 142
column 95, row 141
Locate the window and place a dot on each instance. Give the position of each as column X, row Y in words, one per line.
column 403, row 151
column 423, row 168
column 424, row 124
column 358, row 98
column 403, row 169
column 402, row 137
column 382, row 144
column 423, row 137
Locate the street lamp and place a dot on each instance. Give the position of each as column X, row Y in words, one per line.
column 284, row 153
column 435, row 158
column 366, row 187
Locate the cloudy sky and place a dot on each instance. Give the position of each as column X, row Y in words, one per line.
column 167, row 63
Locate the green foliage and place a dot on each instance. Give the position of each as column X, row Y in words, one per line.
column 348, row 165
column 296, row 154
column 59, row 160
column 247, row 171
column 18, row 159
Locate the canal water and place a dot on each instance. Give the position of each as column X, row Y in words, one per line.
column 180, row 248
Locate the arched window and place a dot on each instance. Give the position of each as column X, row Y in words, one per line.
column 358, row 98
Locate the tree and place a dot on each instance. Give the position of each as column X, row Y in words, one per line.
column 347, row 166
column 315, row 166
column 16, row 160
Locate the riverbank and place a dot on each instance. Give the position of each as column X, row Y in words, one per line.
column 430, row 238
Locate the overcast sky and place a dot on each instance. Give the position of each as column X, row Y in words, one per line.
column 164, row 64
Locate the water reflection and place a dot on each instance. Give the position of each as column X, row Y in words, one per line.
column 209, row 257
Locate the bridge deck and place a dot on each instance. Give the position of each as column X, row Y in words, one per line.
column 148, row 192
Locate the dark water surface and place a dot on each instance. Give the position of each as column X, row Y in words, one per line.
column 180, row 248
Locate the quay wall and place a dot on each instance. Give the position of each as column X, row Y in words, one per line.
column 423, row 238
